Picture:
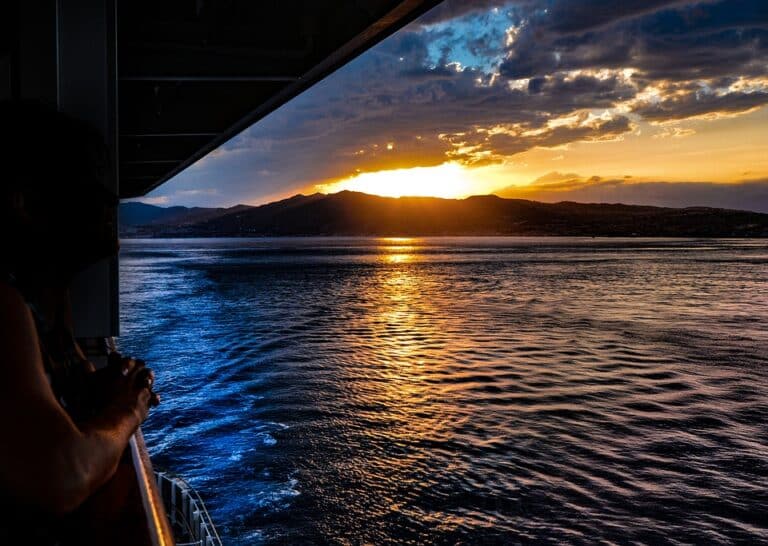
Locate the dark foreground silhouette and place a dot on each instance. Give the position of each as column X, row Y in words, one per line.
column 65, row 424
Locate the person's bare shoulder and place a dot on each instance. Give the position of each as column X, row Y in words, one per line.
column 10, row 300
column 14, row 312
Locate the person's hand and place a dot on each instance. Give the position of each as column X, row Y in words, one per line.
column 128, row 383
column 102, row 385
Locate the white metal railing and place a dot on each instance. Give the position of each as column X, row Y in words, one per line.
column 186, row 511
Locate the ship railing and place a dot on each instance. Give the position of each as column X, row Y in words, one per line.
column 188, row 515
column 160, row 533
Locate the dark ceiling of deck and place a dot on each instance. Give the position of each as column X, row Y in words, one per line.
column 194, row 73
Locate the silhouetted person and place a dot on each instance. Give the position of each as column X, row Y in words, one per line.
column 64, row 426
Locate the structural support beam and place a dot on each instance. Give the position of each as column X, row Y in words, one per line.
column 87, row 89
column 153, row 162
column 210, row 78
column 167, row 135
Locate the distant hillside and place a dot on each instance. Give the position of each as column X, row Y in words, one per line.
column 140, row 217
column 352, row 213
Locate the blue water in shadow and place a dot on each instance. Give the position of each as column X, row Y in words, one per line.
column 459, row 390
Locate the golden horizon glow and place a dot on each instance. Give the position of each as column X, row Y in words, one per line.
column 729, row 145
column 448, row 180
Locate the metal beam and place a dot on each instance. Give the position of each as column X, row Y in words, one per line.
column 87, row 89
column 127, row 179
column 167, row 135
column 207, row 79
column 152, row 162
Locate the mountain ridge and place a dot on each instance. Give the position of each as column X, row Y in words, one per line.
column 355, row 213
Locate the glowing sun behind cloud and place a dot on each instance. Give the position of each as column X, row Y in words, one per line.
column 449, row 180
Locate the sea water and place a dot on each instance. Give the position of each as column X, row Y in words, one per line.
column 459, row 390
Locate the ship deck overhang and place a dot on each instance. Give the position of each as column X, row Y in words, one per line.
column 193, row 74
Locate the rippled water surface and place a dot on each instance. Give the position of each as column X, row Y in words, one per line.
column 460, row 391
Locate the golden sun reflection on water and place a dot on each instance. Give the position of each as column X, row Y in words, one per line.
column 395, row 240
column 409, row 332
column 405, row 327
column 397, row 258
column 396, row 250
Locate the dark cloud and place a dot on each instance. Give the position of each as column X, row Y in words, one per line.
column 530, row 57
column 686, row 40
column 584, row 91
column 699, row 104
column 573, row 16
column 677, row 46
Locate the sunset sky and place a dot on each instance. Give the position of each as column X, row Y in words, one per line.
column 638, row 101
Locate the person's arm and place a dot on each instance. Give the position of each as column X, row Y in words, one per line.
column 46, row 461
